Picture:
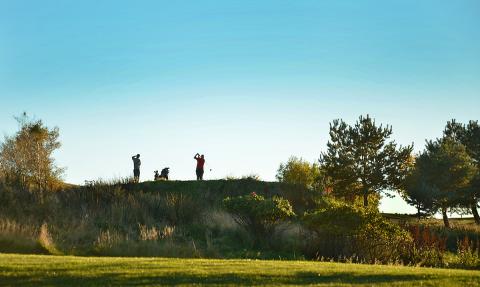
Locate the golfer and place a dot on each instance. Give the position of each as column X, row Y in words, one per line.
column 200, row 163
column 136, row 168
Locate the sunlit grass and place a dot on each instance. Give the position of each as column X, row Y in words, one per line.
column 38, row 270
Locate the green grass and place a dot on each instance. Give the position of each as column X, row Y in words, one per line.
column 41, row 270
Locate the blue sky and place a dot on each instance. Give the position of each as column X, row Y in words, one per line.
column 248, row 83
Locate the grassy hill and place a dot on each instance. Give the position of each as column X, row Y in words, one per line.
column 224, row 186
column 38, row 270
column 163, row 218
column 217, row 189
column 173, row 219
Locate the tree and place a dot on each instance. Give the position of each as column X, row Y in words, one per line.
column 360, row 162
column 417, row 193
column 26, row 157
column 441, row 172
column 300, row 172
column 469, row 136
column 474, row 193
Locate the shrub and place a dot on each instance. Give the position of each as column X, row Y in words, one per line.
column 180, row 208
column 468, row 253
column 380, row 240
column 428, row 247
column 341, row 230
column 258, row 215
column 251, row 176
column 299, row 172
column 301, row 198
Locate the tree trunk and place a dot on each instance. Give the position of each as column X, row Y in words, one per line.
column 475, row 214
column 365, row 199
column 445, row 217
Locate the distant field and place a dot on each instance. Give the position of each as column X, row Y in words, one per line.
column 414, row 218
column 465, row 223
column 38, row 270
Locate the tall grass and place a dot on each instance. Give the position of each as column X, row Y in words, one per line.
column 19, row 238
column 185, row 219
column 117, row 217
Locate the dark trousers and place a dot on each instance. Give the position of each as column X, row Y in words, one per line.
column 136, row 174
column 199, row 172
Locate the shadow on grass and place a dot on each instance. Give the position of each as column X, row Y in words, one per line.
column 299, row 278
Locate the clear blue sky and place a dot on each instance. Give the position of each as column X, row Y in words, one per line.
column 248, row 83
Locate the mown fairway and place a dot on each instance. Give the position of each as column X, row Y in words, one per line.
column 38, row 270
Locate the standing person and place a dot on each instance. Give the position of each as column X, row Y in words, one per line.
column 136, row 168
column 200, row 162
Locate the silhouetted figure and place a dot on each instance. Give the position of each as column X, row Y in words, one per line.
column 200, row 163
column 163, row 175
column 136, row 168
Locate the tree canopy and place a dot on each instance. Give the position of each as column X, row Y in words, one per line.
column 469, row 136
column 301, row 172
column 441, row 173
column 361, row 161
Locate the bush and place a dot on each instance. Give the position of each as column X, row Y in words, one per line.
column 428, row 247
column 180, row 208
column 258, row 215
column 301, row 198
column 468, row 254
column 299, row 172
column 344, row 231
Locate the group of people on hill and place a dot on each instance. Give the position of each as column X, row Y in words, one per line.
column 164, row 174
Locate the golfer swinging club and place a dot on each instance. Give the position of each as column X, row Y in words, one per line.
column 136, row 168
column 200, row 163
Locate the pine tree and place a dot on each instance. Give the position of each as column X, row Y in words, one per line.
column 469, row 136
column 417, row 193
column 441, row 172
column 360, row 161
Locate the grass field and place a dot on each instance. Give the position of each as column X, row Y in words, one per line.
column 39, row 270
